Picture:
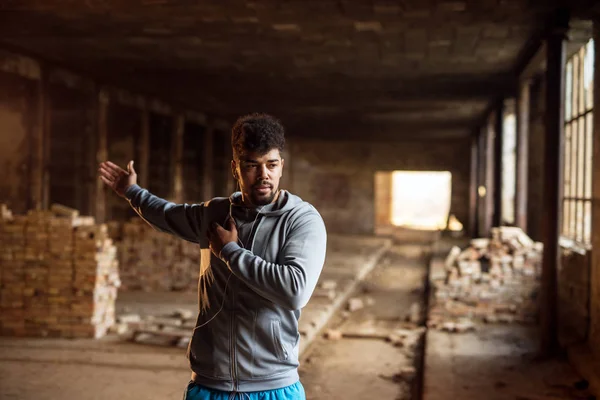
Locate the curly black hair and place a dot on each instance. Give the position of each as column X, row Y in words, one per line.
column 257, row 132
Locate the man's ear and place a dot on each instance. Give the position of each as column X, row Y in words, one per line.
column 234, row 170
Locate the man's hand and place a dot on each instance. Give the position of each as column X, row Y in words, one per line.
column 218, row 236
column 116, row 177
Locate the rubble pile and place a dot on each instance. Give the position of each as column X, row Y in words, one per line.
column 174, row 329
column 58, row 274
column 493, row 280
column 151, row 260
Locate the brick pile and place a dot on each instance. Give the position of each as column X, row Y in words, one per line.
column 154, row 261
column 493, row 280
column 58, row 275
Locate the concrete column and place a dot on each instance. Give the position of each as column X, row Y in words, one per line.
column 143, row 163
column 554, row 126
column 101, row 154
column 473, row 177
column 176, row 158
column 522, row 154
column 46, row 130
column 489, row 176
column 498, row 144
column 208, row 160
column 37, row 141
column 231, row 183
column 594, row 334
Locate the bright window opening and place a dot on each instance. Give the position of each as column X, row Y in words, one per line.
column 509, row 163
column 577, row 167
column 420, row 200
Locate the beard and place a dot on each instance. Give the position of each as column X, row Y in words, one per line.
column 260, row 199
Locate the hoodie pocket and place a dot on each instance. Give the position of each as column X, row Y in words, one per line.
column 280, row 349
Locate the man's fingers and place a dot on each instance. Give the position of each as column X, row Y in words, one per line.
column 109, row 173
column 231, row 224
column 105, row 173
column 109, row 183
column 130, row 168
column 114, row 167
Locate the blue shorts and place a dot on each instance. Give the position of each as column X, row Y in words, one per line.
column 198, row 392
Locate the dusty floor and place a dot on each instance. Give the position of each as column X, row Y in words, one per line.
column 500, row 361
column 495, row 362
column 370, row 368
column 50, row 369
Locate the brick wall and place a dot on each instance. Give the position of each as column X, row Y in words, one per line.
column 17, row 115
column 338, row 178
column 124, row 127
column 573, row 296
column 71, row 161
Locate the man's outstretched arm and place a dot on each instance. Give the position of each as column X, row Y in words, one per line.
column 181, row 220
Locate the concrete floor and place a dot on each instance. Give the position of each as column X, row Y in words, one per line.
column 370, row 368
column 496, row 363
column 50, row 369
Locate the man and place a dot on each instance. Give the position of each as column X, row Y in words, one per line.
column 262, row 251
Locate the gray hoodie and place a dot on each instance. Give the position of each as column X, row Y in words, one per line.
column 246, row 336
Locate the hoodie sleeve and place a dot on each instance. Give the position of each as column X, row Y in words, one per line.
column 291, row 283
column 181, row 220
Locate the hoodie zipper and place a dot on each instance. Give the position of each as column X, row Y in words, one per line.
column 233, row 344
column 233, row 338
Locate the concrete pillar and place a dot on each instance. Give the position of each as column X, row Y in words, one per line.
column 554, row 127
column 143, row 163
column 231, row 182
column 594, row 335
column 498, row 145
column 101, row 154
column 177, row 158
column 522, row 154
column 488, row 201
column 208, row 160
column 39, row 143
column 473, row 178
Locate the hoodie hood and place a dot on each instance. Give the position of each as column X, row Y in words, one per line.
column 285, row 203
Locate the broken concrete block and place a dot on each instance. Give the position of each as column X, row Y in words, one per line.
column 333, row 334
column 129, row 318
column 328, row 294
column 328, row 284
column 415, row 313
column 452, row 257
column 120, row 329
column 408, row 373
column 183, row 313
column 464, row 326
column 355, row 303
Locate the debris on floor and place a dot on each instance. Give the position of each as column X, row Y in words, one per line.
column 355, row 303
column 172, row 329
column 493, row 281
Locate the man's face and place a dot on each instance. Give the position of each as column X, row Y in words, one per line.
column 258, row 176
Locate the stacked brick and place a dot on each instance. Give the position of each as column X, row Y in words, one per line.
column 58, row 276
column 493, row 281
column 154, row 261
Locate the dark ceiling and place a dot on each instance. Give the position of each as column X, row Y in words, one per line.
column 408, row 67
